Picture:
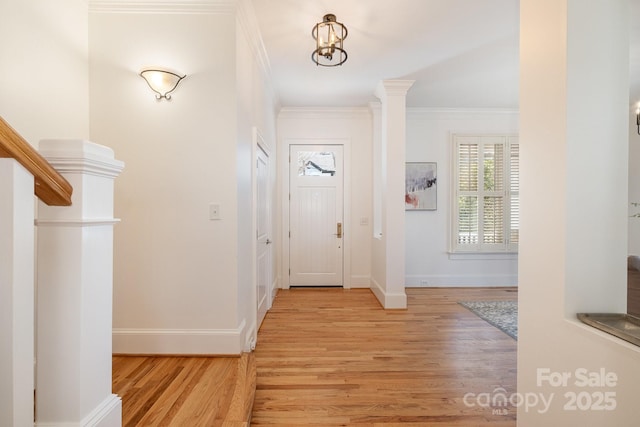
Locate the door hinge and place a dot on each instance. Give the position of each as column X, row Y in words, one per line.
column 289, row 234
column 289, row 272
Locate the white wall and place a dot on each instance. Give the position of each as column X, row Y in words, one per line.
column 574, row 155
column 44, row 91
column 256, row 108
column 378, row 245
column 428, row 139
column 177, row 287
column 354, row 128
column 428, row 262
column 634, row 181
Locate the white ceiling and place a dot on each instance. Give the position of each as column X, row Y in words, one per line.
column 461, row 53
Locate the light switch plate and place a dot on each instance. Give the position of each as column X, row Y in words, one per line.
column 214, row 211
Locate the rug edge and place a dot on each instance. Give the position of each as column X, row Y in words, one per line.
column 489, row 321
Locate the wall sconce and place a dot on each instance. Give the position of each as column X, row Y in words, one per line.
column 329, row 35
column 638, row 118
column 162, row 82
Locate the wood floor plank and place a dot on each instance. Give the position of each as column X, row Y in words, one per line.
column 335, row 357
column 174, row 391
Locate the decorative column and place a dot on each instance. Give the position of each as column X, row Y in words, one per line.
column 16, row 294
column 392, row 93
column 74, row 291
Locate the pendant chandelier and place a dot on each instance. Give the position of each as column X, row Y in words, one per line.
column 329, row 36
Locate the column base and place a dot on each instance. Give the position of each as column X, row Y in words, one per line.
column 387, row 299
column 107, row 414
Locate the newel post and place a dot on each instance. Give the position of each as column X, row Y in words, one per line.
column 74, row 291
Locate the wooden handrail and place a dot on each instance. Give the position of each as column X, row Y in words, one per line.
column 50, row 186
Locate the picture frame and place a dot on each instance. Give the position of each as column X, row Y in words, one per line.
column 421, row 186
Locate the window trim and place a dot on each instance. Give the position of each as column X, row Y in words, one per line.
column 507, row 248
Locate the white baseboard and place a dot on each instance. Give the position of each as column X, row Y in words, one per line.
column 180, row 341
column 388, row 300
column 107, row 414
column 250, row 338
column 377, row 291
column 359, row 282
column 275, row 286
column 449, row 281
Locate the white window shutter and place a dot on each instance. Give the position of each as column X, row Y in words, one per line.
column 486, row 201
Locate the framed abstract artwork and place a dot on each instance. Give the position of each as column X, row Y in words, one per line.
column 421, row 181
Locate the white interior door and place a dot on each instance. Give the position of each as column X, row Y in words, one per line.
column 316, row 215
column 263, row 247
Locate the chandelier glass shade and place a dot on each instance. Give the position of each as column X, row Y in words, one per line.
column 329, row 36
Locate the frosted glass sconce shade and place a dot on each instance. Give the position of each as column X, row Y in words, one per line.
column 162, row 82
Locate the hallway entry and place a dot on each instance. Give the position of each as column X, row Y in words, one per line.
column 316, row 199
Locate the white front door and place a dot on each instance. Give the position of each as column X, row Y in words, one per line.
column 263, row 247
column 316, row 215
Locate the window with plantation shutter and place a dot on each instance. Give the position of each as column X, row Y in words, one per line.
column 486, row 193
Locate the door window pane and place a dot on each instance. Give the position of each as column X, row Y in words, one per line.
column 316, row 163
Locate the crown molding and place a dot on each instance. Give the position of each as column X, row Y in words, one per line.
column 247, row 21
column 416, row 111
column 323, row 112
column 100, row 222
column 163, row 6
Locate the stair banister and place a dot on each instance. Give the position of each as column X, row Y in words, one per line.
column 74, row 274
column 50, row 187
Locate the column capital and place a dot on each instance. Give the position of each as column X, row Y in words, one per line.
column 80, row 156
column 387, row 88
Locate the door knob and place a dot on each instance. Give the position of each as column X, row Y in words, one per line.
column 268, row 241
column 339, row 230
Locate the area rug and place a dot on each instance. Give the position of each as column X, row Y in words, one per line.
column 501, row 314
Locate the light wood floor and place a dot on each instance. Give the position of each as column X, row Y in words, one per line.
column 185, row 391
column 333, row 357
